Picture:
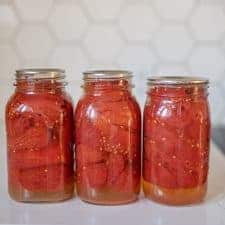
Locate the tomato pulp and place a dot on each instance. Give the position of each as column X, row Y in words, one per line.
column 107, row 130
column 176, row 144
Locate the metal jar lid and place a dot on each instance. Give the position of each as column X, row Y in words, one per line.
column 176, row 80
column 106, row 74
column 40, row 73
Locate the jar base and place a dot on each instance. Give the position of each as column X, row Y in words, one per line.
column 107, row 197
column 181, row 196
column 23, row 195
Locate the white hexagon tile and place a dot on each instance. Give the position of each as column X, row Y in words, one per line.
column 103, row 43
column 208, row 61
column 68, row 21
column 173, row 43
column 138, row 22
column 171, row 69
column 33, row 43
column 97, row 9
column 33, row 10
column 206, row 22
column 148, row 37
column 176, row 10
column 140, row 59
column 8, row 61
column 73, row 59
column 8, row 22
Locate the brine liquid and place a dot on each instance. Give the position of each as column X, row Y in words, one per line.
column 23, row 195
column 175, row 196
column 108, row 197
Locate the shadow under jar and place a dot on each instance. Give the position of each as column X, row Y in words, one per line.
column 39, row 118
column 107, row 130
column 176, row 140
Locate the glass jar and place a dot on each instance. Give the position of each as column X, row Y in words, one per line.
column 39, row 118
column 176, row 140
column 108, row 129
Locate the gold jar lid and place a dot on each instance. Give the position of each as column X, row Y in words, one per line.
column 176, row 80
column 106, row 74
column 40, row 73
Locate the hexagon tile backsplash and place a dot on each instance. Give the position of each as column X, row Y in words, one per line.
column 174, row 37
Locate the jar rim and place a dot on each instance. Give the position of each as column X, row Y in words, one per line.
column 177, row 80
column 106, row 74
column 40, row 73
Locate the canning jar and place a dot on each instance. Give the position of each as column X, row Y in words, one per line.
column 107, row 131
column 176, row 140
column 39, row 118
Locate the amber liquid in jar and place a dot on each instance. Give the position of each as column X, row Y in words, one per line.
column 176, row 140
column 39, row 118
column 107, row 131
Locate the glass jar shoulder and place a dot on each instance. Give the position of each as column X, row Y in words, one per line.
column 177, row 111
column 125, row 112
column 41, row 103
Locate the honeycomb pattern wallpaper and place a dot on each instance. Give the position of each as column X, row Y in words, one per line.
column 148, row 37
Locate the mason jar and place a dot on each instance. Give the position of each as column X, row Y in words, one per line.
column 176, row 140
column 39, row 118
column 107, row 136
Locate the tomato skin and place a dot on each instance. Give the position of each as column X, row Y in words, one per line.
column 86, row 155
column 127, row 181
column 116, row 165
column 46, row 178
column 107, row 136
column 176, row 138
column 49, row 155
column 39, row 138
column 24, row 125
column 93, row 175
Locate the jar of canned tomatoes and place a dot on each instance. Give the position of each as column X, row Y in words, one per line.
column 39, row 118
column 107, row 131
column 176, row 140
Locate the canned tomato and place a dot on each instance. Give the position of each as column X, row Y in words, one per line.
column 107, row 130
column 176, row 140
column 39, row 118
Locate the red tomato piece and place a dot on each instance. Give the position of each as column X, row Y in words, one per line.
column 13, row 176
column 173, row 112
column 147, row 170
column 46, row 178
column 188, row 178
column 128, row 181
column 163, row 177
column 203, row 173
column 95, row 175
column 27, row 131
column 116, row 165
column 87, row 134
column 199, row 127
column 102, row 123
column 147, row 149
column 45, row 104
column 161, row 165
column 121, row 114
column 64, row 128
column 122, row 141
column 86, row 155
column 49, row 155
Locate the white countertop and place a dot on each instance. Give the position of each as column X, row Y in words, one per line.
column 211, row 212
